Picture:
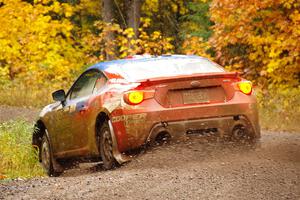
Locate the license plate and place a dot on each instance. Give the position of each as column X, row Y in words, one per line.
column 195, row 96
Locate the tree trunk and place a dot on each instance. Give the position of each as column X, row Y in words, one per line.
column 108, row 17
column 134, row 14
column 107, row 11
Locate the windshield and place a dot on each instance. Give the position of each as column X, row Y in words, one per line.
column 133, row 71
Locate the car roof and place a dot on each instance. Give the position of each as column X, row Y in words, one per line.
column 140, row 59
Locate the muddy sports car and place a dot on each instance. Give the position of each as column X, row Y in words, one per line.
column 116, row 106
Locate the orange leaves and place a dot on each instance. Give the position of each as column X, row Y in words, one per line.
column 2, row 177
column 50, row 40
column 196, row 46
column 261, row 36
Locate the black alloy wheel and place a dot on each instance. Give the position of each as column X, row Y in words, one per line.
column 106, row 147
column 46, row 157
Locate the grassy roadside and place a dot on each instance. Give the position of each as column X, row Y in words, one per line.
column 22, row 96
column 277, row 121
column 279, row 109
column 17, row 157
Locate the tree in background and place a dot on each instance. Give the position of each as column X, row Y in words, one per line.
column 259, row 38
column 195, row 30
column 46, row 41
column 133, row 15
column 53, row 39
column 36, row 42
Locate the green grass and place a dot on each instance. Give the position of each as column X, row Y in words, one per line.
column 18, row 159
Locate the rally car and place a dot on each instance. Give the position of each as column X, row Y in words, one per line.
column 116, row 106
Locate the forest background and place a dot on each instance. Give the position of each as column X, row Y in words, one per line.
column 46, row 44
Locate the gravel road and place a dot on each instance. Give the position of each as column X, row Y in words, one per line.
column 14, row 113
column 192, row 169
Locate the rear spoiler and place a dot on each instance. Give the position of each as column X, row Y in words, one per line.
column 190, row 77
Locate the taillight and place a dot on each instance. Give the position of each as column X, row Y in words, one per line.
column 245, row 87
column 136, row 97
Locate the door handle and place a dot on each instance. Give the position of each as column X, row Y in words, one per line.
column 82, row 109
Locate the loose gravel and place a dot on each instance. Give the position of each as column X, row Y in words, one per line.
column 193, row 169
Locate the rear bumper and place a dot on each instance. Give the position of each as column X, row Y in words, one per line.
column 220, row 126
column 136, row 126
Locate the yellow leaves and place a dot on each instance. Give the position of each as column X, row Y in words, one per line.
column 267, row 42
column 288, row 3
column 164, row 8
column 295, row 16
column 272, row 65
column 68, row 10
column 273, row 53
column 33, row 47
column 145, row 21
column 196, row 46
column 129, row 32
column 253, row 56
column 56, row 7
column 4, row 71
column 125, row 42
column 155, row 35
column 88, row 7
column 150, row 6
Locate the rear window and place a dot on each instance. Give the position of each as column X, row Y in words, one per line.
column 134, row 71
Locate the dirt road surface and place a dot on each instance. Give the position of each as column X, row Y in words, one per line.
column 193, row 169
column 8, row 113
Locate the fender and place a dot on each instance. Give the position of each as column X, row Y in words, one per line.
column 120, row 158
column 57, row 167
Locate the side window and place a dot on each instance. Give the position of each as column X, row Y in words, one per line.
column 84, row 85
column 100, row 83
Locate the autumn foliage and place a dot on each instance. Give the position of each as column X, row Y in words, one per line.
column 36, row 42
column 260, row 38
column 47, row 43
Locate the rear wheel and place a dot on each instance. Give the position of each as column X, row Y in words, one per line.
column 46, row 157
column 106, row 147
column 163, row 138
column 241, row 134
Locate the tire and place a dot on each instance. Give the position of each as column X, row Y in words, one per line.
column 162, row 138
column 106, row 147
column 241, row 134
column 47, row 158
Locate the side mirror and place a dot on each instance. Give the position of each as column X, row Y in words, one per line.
column 59, row 95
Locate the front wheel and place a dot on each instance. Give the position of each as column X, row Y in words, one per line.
column 46, row 157
column 106, row 147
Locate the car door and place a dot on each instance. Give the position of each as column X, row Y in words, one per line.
column 84, row 106
column 71, row 140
